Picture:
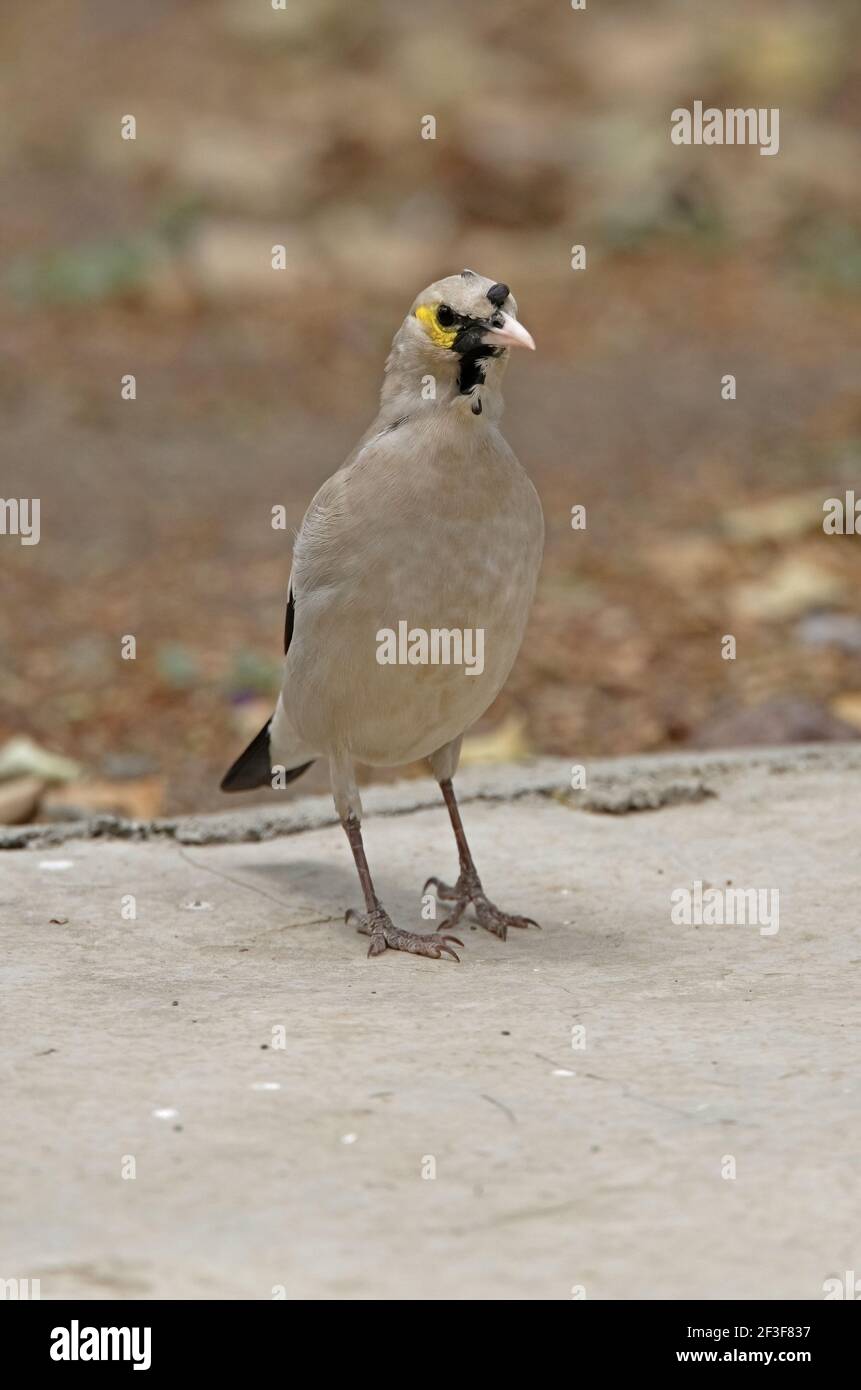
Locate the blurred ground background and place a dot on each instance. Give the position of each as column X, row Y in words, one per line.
column 302, row 127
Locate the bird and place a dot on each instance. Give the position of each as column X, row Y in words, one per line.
column 413, row 574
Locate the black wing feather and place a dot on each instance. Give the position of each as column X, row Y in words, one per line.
column 289, row 619
column 253, row 768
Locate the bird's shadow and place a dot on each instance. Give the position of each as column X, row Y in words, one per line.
column 329, row 889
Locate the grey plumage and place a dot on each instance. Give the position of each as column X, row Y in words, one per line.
column 431, row 521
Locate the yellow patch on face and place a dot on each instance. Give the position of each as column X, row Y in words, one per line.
column 441, row 337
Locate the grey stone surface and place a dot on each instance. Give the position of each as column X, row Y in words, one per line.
column 615, row 786
column 555, row 1166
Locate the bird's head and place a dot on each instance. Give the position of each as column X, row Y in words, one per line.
column 453, row 344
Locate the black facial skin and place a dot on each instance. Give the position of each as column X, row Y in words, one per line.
column 469, row 336
column 468, row 343
column 473, row 352
column 472, row 330
column 471, row 371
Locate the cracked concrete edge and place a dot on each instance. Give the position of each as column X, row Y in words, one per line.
column 614, row 787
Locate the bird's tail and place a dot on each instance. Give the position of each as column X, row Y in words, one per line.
column 254, row 767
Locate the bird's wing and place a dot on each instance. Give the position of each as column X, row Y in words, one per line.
column 338, row 528
column 308, row 549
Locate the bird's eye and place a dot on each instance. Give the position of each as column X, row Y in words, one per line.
column 445, row 316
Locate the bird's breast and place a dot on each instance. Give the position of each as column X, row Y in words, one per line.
column 413, row 642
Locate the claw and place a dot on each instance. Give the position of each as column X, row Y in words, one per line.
column 468, row 890
column 445, row 891
column 384, row 934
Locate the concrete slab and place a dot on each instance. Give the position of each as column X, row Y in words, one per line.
column 427, row 1130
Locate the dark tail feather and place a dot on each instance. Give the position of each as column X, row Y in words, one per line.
column 253, row 768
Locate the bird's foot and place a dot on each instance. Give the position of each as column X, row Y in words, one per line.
column 383, row 933
column 468, row 890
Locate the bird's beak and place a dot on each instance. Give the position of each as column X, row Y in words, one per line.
column 510, row 333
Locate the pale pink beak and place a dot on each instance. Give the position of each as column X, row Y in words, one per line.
column 509, row 334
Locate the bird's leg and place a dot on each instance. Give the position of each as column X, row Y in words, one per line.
column 375, row 921
column 468, row 888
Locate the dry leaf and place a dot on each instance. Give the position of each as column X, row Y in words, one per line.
column 793, row 587
column 141, row 799
column 775, row 520
column 504, row 744
column 19, row 799
column 21, row 757
column 848, row 707
column 685, row 559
